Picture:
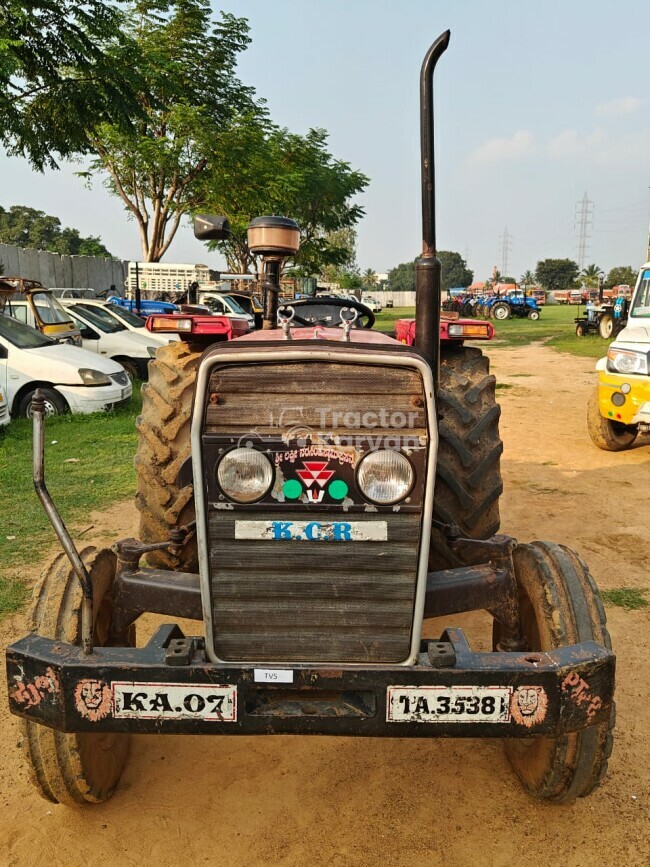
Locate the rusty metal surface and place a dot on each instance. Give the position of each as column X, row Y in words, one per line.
column 57, row 685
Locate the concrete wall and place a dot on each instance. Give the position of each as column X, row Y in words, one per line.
column 70, row 272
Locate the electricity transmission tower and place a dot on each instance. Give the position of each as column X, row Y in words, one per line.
column 583, row 221
column 506, row 239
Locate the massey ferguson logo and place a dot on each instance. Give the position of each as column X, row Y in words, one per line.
column 314, row 475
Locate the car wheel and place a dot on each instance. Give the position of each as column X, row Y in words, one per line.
column 54, row 403
column 533, row 314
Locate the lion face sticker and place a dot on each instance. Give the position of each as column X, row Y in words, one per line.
column 528, row 705
column 92, row 698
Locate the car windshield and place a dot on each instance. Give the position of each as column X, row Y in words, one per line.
column 48, row 309
column 22, row 335
column 234, row 305
column 101, row 319
column 126, row 316
column 641, row 306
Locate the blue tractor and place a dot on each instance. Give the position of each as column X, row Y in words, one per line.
column 515, row 303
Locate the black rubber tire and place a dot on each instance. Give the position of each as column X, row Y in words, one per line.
column 607, row 434
column 468, row 474
column 163, row 446
column 499, row 308
column 55, row 403
column 560, row 605
column 533, row 315
column 75, row 768
column 606, row 326
column 580, row 331
column 132, row 369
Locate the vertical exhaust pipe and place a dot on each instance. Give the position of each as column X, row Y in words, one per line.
column 428, row 270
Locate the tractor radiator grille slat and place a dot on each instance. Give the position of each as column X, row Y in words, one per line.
column 300, row 601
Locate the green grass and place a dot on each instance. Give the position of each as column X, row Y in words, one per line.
column 388, row 317
column 88, row 466
column 626, row 597
column 555, row 327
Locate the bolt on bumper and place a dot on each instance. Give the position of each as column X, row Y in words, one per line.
column 169, row 687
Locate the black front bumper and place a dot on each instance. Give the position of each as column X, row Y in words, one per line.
column 169, row 687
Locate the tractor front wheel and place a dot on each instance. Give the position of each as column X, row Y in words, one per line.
column 84, row 767
column 606, row 433
column 468, row 475
column 533, row 314
column 560, row 606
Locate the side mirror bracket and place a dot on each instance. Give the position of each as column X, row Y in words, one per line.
column 208, row 227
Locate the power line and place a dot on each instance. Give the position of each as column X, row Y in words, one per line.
column 584, row 217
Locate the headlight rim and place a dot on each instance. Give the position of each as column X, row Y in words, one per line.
column 395, row 502
column 225, row 493
column 641, row 357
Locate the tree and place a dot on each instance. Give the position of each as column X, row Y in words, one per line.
column 621, row 276
column 272, row 171
column 590, row 275
column 527, row 278
column 190, row 97
column 369, row 278
column 27, row 227
column 345, row 240
column 63, row 66
column 555, row 274
column 454, row 273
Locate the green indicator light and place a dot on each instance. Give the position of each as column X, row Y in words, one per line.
column 610, row 414
column 338, row 490
column 292, row 489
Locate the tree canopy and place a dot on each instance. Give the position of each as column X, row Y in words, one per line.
column 189, row 95
column 623, row 275
column 555, row 274
column 64, row 67
column 454, row 273
column 268, row 170
column 27, row 227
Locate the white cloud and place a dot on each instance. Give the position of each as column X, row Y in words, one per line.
column 565, row 144
column 521, row 144
column 600, row 147
column 619, row 107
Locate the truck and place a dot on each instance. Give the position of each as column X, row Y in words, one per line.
column 312, row 495
column 619, row 408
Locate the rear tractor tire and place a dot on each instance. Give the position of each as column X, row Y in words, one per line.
column 163, row 446
column 606, row 433
column 84, row 767
column 606, row 326
column 468, row 474
column 501, row 311
column 559, row 605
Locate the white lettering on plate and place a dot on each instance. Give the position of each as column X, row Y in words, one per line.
column 163, row 701
column 448, row 704
column 273, row 675
column 313, row 531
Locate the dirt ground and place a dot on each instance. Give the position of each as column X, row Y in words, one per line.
column 343, row 801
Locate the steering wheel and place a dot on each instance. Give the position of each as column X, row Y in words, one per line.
column 327, row 312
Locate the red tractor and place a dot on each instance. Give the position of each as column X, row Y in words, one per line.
column 310, row 495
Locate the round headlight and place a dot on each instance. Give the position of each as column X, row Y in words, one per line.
column 245, row 475
column 385, row 477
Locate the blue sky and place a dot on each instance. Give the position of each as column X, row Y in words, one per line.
column 537, row 103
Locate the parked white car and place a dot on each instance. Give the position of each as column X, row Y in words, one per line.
column 372, row 303
column 131, row 322
column 102, row 334
column 4, row 404
column 224, row 305
column 69, row 377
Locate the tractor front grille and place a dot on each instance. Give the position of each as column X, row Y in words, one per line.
column 288, row 601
